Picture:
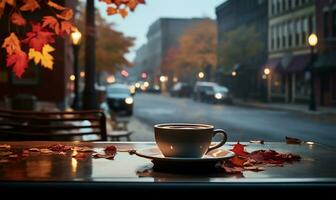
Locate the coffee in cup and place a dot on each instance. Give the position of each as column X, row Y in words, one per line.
column 186, row 140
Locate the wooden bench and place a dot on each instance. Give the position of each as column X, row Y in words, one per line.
column 63, row 126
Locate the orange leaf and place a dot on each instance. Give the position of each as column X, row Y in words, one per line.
column 30, row 5
column 19, row 60
column 239, row 150
column 66, row 14
column 55, row 5
column 66, row 27
column 11, row 2
column 52, row 23
column 17, row 19
column 132, row 4
column 12, row 44
column 111, row 11
column 123, row 12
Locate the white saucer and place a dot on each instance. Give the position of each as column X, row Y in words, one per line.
column 213, row 156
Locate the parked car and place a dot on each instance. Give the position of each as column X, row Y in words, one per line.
column 120, row 100
column 155, row 89
column 181, row 90
column 211, row 93
column 222, row 95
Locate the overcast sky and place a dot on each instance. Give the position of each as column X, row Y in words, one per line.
column 137, row 23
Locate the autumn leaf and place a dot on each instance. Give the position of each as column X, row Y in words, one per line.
column 111, row 10
column 66, row 27
column 123, row 12
column 43, row 57
column 38, row 37
column 132, row 4
column 19, row 60
column 17, row 19
column 239, row 150
column 30, row 5
column 56, row 6
column 65, row 15
column 52, row 23
column 12, row 44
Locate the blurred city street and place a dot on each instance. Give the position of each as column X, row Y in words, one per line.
column 242, row 123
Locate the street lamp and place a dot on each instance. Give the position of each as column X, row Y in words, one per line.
column 266, row 76
column 76, row 38
column 201, row 75
column 234, row 73
column 312, row 41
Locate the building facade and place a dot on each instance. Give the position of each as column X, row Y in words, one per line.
column 245, row 81
column 325, row 65
column 290, row 24
column 162, row 36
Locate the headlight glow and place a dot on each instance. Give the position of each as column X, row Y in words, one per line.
column 129, row 100
column 218, row 96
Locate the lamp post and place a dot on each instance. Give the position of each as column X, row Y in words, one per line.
column 76, row 38
column 312, row 41
column 89, row 94
column 267, row 76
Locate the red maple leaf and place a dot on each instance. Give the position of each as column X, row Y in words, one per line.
column 20, row 61
column 239, row 150
column 52, row 23
column 38, row 37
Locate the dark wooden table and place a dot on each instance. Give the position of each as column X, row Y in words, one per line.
column 316, row 169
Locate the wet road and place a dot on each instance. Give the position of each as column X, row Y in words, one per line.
column 242, row 123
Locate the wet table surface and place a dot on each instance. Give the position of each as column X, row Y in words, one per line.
column 317, row 166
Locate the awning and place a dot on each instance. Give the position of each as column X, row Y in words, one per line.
column 326, row 60
column 273, row 64
column 298, row 63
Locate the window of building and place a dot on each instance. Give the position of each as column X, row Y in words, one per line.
column 278, row 6
column 279, row 36
column 290, row 33
column 284, row 35
column 326, row 24
column 284, row 7
column 296, row 3
column 334, row 23
column 297, row 32
column 273, row 8
column 304, row 31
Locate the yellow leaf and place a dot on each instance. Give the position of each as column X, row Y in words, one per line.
column 44, row 58
column 47, row 59
column 36, row 55
column 12, row 44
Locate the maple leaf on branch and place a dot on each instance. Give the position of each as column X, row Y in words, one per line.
column 19, row 60
column 12, row 44
column 52, row 23
column 65, row 15
column 43, row 57
column 123, row 12
column 38, row 37
column 17, row 19
column 55, row 5
column 30, row 5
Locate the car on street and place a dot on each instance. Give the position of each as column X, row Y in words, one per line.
column 211, row 92
column 181, row 90
column 119, row 99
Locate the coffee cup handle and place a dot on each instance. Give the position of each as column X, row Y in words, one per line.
column 220, row 131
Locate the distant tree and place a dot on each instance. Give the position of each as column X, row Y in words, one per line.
column 197, row 49
column 239, row 46
column 111, row 45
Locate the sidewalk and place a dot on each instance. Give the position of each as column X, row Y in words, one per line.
column 300, row 108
